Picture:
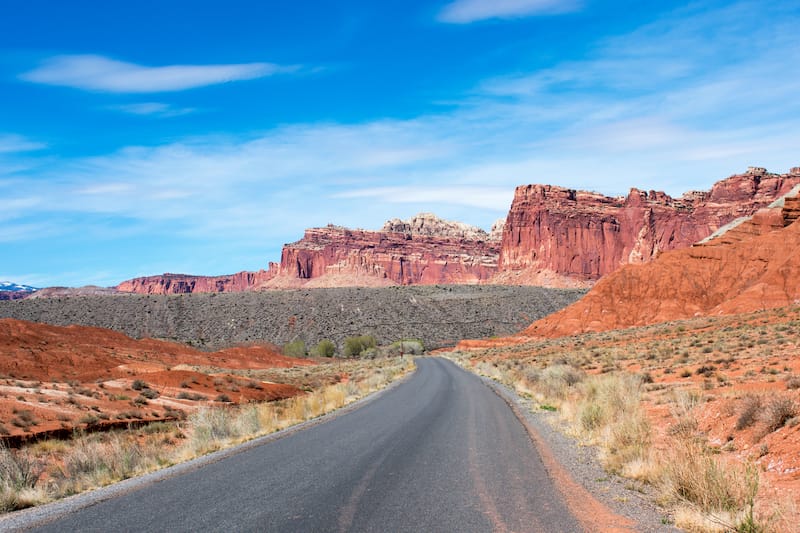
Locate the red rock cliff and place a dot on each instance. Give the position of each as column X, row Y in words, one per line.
column 185, row 283
column 751, row 266
column 577, row 235
column 334, row 256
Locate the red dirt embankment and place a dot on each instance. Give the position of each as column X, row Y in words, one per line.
column 54, row 377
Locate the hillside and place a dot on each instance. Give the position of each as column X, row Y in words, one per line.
column 437, row 315
column 57, row 378
column 752, row 266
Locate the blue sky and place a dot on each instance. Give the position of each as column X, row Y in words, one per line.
column 194, row 136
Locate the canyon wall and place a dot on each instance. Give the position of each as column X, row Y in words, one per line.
column 751, row 266
column 334, row 256
column 185, row 283
column 577, row 236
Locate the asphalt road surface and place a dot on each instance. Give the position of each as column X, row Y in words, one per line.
column 440, row 452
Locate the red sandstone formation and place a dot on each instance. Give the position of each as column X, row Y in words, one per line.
column 567, row 236
column 334, row 256
column 185, row 283
column 752, row 266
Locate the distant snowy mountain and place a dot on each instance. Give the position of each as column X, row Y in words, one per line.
column 16, row 287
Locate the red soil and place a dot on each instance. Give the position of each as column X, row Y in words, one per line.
column 54, row 377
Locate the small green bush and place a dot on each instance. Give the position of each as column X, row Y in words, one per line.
column 325, row 348
column 406, row 347
column 355, row 346
column 295, row 348
column 138, row 384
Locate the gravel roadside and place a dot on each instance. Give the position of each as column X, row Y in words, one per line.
column 623, row 496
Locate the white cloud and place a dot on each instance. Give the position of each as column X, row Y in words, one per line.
column 493, row 198
column 157, row 109
column 12, row 143
column 99, row 73
column 467, row 11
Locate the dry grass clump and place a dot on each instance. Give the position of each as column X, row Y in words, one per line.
column 20, row 472
column 98, row 460
column 778, row 412
column 611, row 414
column 711, row 496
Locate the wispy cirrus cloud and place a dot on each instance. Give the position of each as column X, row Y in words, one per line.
column 154, row 109
column 100, row 73
column 12, row 143
column 468, row 11
column 492, row 198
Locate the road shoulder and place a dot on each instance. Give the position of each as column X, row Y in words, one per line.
column 576, row 469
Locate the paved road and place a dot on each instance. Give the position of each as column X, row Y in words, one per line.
column 440, row 452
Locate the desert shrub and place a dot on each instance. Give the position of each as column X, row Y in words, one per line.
column 356, row 346
column 89, row 420
column 793, row 382
column 751, row 405
column 406, row 347
column 296, row 348
column 779, row 411
column 139, row 384
column 19, row 473
column 211, row 426
column 18, row 469
column 555, row 381
column 150, row 394
column 194, row 396
column 324, row 348
column 93, row 461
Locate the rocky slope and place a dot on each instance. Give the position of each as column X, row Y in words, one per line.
column 566, row 236
column 752, row 265
column 437, row 315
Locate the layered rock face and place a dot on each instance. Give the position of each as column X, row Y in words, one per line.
column 751, row 266
column 424, row 250
column 575, row 236
column 185, row 284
